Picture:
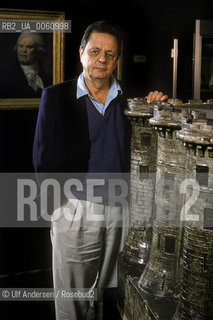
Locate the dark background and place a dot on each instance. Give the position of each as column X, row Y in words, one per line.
column 148, row 28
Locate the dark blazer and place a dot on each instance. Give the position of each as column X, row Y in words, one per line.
column 13, row 82
column 61, row 141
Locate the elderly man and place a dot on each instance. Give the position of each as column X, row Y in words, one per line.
column 25, row 77
column 81, row 128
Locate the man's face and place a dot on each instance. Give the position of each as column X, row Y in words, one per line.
column 100, row 56
column 26, row 50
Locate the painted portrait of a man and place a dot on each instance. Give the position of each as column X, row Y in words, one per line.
column 27, row 74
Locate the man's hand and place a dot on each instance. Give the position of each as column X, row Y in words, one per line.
column 156, row 96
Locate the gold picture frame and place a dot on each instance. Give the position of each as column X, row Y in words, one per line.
column 57, row 43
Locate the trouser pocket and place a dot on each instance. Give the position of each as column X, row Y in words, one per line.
column 63, row 217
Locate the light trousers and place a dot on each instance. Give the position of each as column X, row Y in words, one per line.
column 86, row 239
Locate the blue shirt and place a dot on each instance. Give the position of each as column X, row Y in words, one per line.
column 112, row 94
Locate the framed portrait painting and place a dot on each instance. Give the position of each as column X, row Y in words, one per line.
column 31, row 55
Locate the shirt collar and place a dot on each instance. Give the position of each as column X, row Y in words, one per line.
column 82, row 89
column 29, row 69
